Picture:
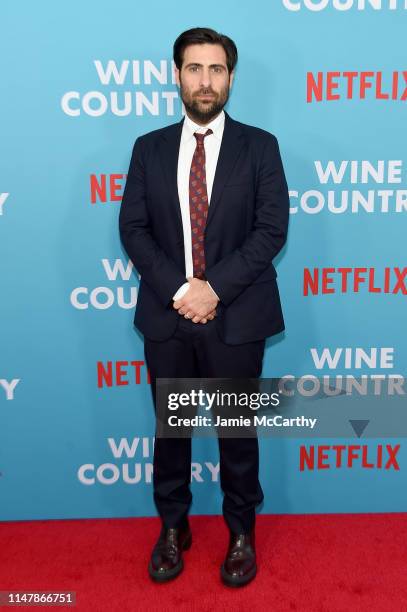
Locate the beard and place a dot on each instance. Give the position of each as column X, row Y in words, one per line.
column 203, row 111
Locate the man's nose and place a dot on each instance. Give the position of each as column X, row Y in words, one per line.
column 205, row 78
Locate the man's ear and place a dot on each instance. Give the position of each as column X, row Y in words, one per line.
column 231, row 77
column 176, row 72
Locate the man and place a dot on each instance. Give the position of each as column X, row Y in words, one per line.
column 204, row 212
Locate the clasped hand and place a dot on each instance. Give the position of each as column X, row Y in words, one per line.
column 199, row 302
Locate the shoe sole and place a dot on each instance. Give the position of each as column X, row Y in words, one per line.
column 172, row 573
column 237, row 581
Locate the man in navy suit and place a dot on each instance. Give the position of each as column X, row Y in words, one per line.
column 204, row 212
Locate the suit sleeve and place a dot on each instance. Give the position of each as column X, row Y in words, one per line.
column 155, row 267
column 235, row 272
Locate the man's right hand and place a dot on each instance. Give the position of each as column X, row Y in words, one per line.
column 209, row 317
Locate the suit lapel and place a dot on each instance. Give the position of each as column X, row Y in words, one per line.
column 168, row 153
column 232, row 142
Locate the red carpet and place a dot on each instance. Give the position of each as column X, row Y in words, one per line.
column 323, row 563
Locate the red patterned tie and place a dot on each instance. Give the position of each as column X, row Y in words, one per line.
column 198, row 205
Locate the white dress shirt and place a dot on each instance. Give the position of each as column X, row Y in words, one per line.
column 212, row 144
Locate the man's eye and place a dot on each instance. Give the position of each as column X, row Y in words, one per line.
column 194, row 68
column 217, row 69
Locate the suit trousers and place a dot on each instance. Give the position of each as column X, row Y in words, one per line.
column 196, row 351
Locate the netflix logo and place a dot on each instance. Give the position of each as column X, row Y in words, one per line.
column 336, row 456
column 320, row 281
column 121, row 373
column 352, row 85
column 107, row 188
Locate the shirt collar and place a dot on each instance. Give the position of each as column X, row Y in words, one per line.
column 216, row 125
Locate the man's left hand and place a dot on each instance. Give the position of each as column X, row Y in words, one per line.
column 198, row 301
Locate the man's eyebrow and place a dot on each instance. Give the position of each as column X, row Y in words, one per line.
column 210, row 66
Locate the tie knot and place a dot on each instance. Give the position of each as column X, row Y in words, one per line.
column 200, row 137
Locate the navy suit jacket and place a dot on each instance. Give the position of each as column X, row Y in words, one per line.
column 246, row 227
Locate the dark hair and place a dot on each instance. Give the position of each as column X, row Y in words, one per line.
column 200, row 36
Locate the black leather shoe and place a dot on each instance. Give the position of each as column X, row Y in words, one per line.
column 166, row 559
column 239, row 567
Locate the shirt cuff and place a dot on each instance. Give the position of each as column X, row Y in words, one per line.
column 181, row 292
column 213, row 290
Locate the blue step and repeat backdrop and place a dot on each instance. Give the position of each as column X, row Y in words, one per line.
column 79, row 82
